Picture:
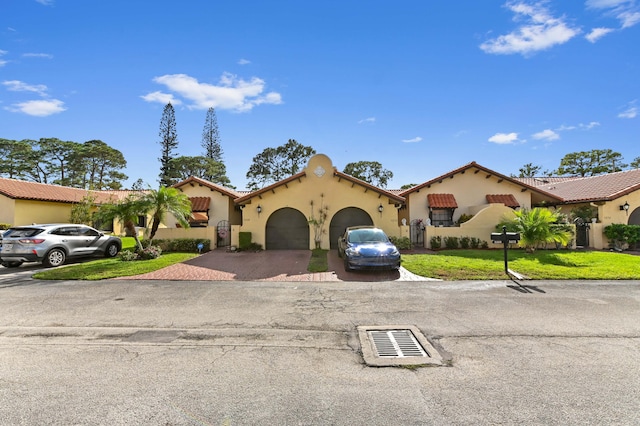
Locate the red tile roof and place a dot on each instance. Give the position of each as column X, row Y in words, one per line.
column 199, row 217
column 200, row 204
column 596, row 188
column 507, row 199
column 24, row 190
column 233, row 194
column 442, row 201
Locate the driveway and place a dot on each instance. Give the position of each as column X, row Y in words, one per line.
column 269, row 265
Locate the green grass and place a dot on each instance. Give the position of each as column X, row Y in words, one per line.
column 318, row 261
column 540, row 265
column 101, row 269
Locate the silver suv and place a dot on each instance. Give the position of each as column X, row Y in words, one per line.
column 53, row 244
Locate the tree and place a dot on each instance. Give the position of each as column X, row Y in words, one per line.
column 126, row 212
column 96, row 165
column 537, row 226
column 167, row 200
column 202, row 167
column 408, row 185
column 57, row 155
column 82, row 212
column 370, row 172
column 274, row 164
column 591, row 163
column 15, row 158
column 529, row 170
column 168, row 142
column 211, row 137
column 635, row 164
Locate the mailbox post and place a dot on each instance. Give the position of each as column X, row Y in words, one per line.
column 505, row 238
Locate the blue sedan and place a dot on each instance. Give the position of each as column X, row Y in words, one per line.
column 367, row 247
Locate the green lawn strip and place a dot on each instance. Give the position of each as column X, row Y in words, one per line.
column 543, row 264
column 318, row 261
column 101, row 269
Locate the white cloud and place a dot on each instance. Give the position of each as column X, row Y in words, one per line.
column 41, row 108
column 414, row 140
column 19, row 86
column 38, row 55
column 547, row 134
column 564, row 127
column 162, row 98
column 597, row 33
column 625, row 11
column 244, row 62
column 589, row 125
column 504, row 138
column 367, row 120
column 45, row 2
column 3, row 62
column 540, row 31
column 232, row 92
column 631, row 110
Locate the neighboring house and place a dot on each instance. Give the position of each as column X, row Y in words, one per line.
column 24, row 203
column 312, row 208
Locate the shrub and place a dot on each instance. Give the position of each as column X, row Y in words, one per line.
column 4, row 226
column 183, row 245
column 244, row 240
column 436, row 242
column 464, row 218
column 475, row 242
column 402, row 243
column 465, row 242
column 451, row 242
column 484, row 245
column 128, row 255
column 151, row 252
column 620, row 235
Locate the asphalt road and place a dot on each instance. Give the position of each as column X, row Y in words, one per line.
column 245, row 353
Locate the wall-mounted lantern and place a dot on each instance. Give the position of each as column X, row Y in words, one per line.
column 259, row 209
column 380, row 208
column 625, row 207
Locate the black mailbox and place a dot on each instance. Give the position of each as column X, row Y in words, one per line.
column 509, row 237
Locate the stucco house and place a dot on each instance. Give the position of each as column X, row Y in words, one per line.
column 313, row 207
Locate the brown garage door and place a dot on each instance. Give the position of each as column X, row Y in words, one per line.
column 287, row 229
column 351, row 216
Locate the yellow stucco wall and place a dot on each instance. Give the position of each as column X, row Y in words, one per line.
column 28, row 212
column 470, row 190
column 7, row 210
column 221, row 207
column 321, row 187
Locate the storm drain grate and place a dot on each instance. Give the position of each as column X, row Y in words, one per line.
column 396, row 345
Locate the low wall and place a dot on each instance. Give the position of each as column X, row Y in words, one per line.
column 193, row 233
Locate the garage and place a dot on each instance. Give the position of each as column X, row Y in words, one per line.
column 287, row 229
column 350, row 216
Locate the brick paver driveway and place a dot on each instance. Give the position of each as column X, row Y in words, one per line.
column 270, row 265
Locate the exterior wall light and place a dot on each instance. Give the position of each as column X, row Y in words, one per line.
column 259, row 209
column 625, row 207
column 380, row 208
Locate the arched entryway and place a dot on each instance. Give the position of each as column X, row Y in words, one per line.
column 634, row 217
column 287, row 229
column 350, row 216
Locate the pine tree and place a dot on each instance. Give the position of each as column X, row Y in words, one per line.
column 168, row 142
column 211, row 137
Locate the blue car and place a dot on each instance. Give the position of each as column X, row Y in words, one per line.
column 364, row 247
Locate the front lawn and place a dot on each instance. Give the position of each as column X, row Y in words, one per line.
column 541, row 265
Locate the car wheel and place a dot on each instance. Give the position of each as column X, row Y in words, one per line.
column 55, row 257
column 346, row 265
column 11, row 264
column 111, row 251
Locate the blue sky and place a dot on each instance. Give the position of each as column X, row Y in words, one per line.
column 422, row 87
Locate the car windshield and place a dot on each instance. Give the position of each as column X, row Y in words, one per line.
column 21, row 232
column 367, row 236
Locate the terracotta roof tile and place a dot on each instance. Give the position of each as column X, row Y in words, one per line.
column 597, row 188
column 442, row 201
column 200, row 204
column 25, row 190
column 507, row 199
column 199, row 217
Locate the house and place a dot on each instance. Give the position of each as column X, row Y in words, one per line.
column 313, row 207
column 23, row 203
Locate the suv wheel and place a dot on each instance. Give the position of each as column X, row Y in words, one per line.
column 111, row 251
column 55, row 257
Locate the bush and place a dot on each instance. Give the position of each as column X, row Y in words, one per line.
column 465, row 242
column 464, row 218
column 151, row 252
column 4, row 226
column 128, row 255
column 436, row 242
column 620, row 235
column 475, row 242
column 402, row 243
column 183, row 245
column 244, row 240
column 451, row 242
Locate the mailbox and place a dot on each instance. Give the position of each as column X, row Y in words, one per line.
column 508, row 237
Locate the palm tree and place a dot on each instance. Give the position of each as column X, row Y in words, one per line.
column 537, row 226
column 167, row 200
column 126, row 212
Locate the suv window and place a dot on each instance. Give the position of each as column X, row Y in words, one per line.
column 22, row 232
column 87, row 232
column 65, row 230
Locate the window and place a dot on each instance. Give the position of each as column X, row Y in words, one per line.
column 441, row 217
column 142, row 222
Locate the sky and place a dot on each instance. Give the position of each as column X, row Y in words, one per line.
column 421, row 86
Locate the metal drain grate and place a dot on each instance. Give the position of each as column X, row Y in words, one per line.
column 396, row 343
column 386, row 345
